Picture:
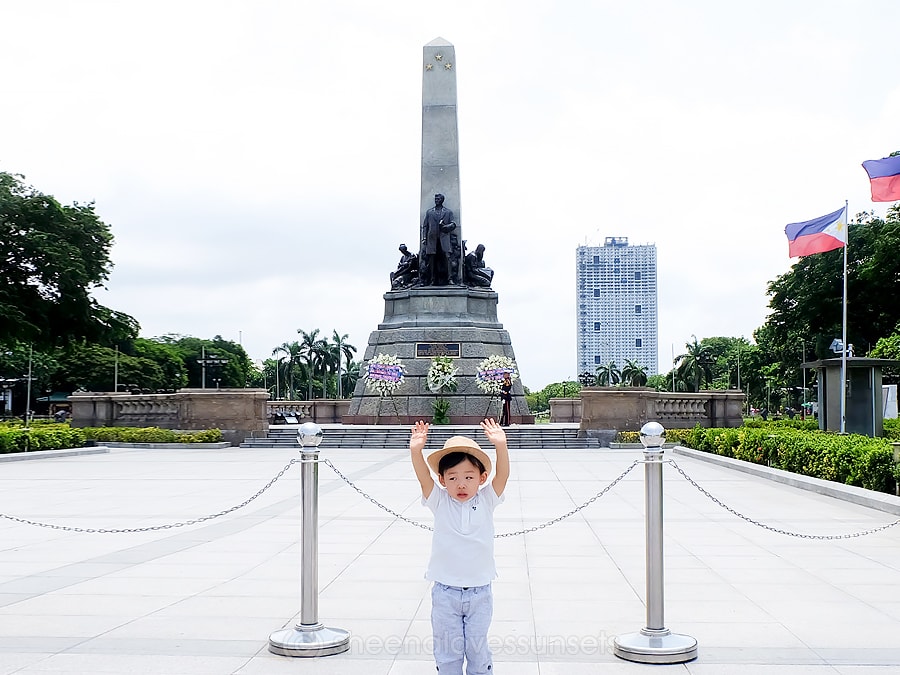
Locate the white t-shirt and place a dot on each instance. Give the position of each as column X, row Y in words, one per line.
column 462, row 546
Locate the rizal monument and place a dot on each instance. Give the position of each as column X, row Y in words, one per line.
column 440, row 303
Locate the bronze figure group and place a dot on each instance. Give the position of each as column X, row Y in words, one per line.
column 440, row 255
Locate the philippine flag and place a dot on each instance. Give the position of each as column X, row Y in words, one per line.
column 884, row 175
column 819, row 235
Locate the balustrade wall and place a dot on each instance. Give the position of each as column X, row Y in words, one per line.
column 629, row 408
column 321, row 411
column 246, row 412
column 238, row 413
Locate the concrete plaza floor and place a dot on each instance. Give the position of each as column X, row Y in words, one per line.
column 203, row 598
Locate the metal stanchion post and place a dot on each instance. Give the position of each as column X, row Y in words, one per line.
column 309, row 637
column 654, row 643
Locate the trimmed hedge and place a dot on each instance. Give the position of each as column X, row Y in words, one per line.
column 44, row 437
column 15, row 438
column 851, row 459
column 677, row 436
column 791, row 445
column 150, row 435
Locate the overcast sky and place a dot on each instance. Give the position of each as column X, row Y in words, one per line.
column 259, row 161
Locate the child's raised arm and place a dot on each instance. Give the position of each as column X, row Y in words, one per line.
column 417, row 440
column 497, row 437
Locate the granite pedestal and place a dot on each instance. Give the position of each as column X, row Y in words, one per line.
column 429, row 321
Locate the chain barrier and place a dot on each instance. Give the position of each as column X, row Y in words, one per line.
column 381, row 506
column 799, row 535
column 414, row 523
column 152, row 528
column 496, row 536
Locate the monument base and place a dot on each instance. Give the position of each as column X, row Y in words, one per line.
column 422, row 323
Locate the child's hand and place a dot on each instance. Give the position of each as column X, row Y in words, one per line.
column 494, row 432
column 418, row 436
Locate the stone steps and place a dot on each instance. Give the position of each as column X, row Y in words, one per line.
column 397, row 437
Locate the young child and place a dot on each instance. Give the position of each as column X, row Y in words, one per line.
column 462, row 547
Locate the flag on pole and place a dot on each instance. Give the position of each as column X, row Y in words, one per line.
column 884, row 175
column 818, row 235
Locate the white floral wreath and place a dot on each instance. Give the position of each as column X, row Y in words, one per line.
column 384, row 374
column 441, row 375
column 491, row 372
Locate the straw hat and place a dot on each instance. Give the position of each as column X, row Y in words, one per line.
column 459, row 444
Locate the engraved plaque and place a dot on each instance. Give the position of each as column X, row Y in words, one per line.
column 428, row 350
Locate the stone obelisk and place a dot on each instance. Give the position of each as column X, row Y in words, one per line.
column 440, row 131
column 422, row 321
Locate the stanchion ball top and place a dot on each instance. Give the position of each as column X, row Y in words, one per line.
column 653, row 435
column 309, row 434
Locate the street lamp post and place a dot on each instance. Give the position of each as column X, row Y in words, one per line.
column 803, row 368
column 705, row 361
column 28, row 388
column 211, row 361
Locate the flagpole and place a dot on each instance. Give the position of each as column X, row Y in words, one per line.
column 844, row 328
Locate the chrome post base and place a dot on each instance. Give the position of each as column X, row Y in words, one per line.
column 655, row 646
column 315, row 640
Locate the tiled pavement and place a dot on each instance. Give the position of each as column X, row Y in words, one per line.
column 203, row 598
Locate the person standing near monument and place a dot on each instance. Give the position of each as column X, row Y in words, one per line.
column 436, row 264
column 462, row 564
column 506, row 398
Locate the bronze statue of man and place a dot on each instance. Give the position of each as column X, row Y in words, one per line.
column 436, row 264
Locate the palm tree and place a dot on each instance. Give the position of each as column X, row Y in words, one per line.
column 291, row 359
column 326, row 362
column 310, row 347
column 351, row 375
column 694, row 364
column 346, row 350
column 608, row 374
column 634, row 374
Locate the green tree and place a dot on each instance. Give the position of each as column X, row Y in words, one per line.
column 165, row 356
column 326, row 363
column 694, row 365
column 806, row 302
column 888, row 347
column 262, row 376
column 287, row 362
column 660, row 382
column 608, row 374
column 311, row 347
column 14, row 367
column 234, row 373
column 340, row 347
column 350, row 376
column 92, row 367
column 634, row 374
column 51, row 257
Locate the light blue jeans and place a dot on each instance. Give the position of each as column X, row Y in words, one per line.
column 460, row 618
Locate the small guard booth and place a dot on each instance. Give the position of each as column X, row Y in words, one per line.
column 864, row 395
